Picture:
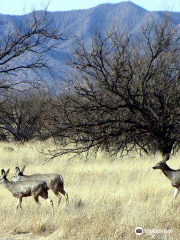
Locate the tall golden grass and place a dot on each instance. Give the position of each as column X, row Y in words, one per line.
column 109, row 197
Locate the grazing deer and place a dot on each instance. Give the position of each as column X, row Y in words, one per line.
column 25, row 189
column 54, row 182
column 172, row 175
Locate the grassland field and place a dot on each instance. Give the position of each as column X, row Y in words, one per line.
column 109, row 197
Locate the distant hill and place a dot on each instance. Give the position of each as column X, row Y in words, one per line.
column 122, row 15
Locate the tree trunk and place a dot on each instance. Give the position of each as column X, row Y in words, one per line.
column 166, row 157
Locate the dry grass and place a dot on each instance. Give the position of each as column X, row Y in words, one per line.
column 109, row 197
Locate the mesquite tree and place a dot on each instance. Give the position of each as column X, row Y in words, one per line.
column 126, row 95
column 22, row 115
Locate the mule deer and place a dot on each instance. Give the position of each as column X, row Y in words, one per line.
column 54, row 182
column 25, row 189
column 172, row 175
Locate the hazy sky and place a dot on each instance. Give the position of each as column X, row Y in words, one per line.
column 17, row 7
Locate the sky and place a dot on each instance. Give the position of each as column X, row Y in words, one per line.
column 18, row 7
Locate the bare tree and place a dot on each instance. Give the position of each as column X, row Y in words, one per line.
column 23, row 48
column 22, row 115
column 126, row 95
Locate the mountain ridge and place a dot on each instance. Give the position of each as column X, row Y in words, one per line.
column 101, row 17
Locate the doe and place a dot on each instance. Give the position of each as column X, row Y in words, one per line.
column 172, row 175
column 54, row 181
column 25, row 189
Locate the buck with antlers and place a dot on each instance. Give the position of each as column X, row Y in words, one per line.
column 172, row 175
column 54, row 182
column 25, row 189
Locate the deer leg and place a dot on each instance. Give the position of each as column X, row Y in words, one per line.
column 59, row 197
column 67, row 198
column 44, row 194
column 56, row 192
column 36, row 199
column 65, row 194
column 19, row 203
column 51, row 203
column 175, row 194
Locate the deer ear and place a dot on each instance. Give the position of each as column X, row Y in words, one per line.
column 6, row 173
column 22, row 170
column 2, row 172
column 17, row 170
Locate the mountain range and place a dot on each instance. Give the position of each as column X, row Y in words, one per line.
column 102, row 17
